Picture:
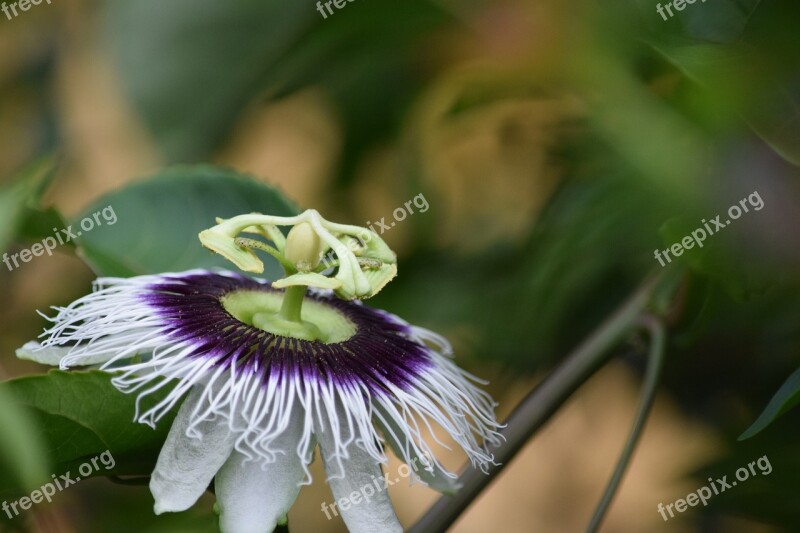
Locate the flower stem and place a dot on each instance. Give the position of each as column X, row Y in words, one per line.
column 654, row 365
column 545, row 400
column 293, row 303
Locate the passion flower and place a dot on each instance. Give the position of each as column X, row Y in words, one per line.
column 268, row 370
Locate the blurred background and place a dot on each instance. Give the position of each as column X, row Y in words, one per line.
column 557, row 143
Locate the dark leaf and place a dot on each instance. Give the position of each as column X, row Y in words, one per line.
column 158, row 220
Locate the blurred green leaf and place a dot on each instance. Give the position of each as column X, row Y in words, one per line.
column 767, row 498
column 79, row 415
column 567, row 280
column 636, row 125
column 19, row 199
column 767, row 105
column 787, row 397
column 190, row 66
column 22, row 451
column 40, row 223
column 373, row 85
column 130, row 510
column 711, row 256
column 776, row 119
column 720, row 21
column 158, row 221
column 552, row 289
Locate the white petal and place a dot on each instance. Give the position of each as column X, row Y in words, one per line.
column 422, row 464
column 33, row 351
column 186, row 464
column 52, row 355
column 254, row 496
column 361, row 497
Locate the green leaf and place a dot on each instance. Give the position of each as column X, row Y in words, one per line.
column 740, row 78
column 80, row 415
column 748, row 69
column 563, row 275
column 712, row 256
column 190, row 66
column 776, row 119
column 158, row 221
column 22, row 451
column 787, row 397
column 38, row 224
column 18, row 199
column 720, row 21
column 202, row 61
column 372, row 86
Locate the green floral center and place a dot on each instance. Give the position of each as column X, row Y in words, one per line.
column 318, row 322
column 363, row 264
